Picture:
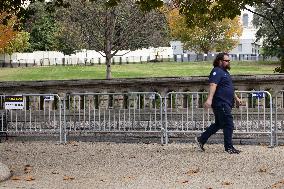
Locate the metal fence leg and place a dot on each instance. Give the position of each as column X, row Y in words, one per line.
column 64, row 121
column 162, row 136
column 166, row 138
column 166, row 121
column 271, row 140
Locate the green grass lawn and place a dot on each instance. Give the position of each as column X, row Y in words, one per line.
column 165, row 69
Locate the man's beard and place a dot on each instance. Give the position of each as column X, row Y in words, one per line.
column 226, row 67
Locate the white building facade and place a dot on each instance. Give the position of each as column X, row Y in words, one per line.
column 247, row 49
column 248, row 46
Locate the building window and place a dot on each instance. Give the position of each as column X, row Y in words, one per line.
column 240, row 47
column 245, row 20
column 255, row 48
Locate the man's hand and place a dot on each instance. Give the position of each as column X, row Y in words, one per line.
column 208, row 103
column 239, row 102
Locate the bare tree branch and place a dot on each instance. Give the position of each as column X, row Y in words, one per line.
column 265, row 17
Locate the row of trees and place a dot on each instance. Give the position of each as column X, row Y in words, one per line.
column 108, row 26
column 81, row 24
column 268, row 18
column 214, row 36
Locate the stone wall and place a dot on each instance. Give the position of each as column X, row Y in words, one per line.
column 273, row 83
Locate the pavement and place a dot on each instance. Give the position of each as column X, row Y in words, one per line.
column 5, row 172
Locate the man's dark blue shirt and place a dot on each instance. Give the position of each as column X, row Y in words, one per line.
column 225, row 90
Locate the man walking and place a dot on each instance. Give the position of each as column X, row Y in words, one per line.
column 221, row 99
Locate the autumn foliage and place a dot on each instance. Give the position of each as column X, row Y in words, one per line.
column 213, row 36
column 7, row 32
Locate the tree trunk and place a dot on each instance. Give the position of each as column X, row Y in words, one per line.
column 11, row 65
column 282, row 55
column 205, row 56
column 281, row 64
column 108, row 68
column 110, row 21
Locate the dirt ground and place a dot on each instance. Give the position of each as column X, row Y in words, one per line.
column 85, row 165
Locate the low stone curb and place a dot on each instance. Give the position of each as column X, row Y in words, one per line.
column 4, row 172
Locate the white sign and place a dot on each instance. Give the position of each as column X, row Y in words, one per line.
column 152, row 96
column 14, row 102
column 48, row 98
column 258, row 94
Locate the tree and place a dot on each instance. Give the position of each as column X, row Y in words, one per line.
column 196, row 12
column 42, row 27
column 19, row 7
column 19, row 43
column 269, row 18
column 110, row 29
column 215, row 36
column 7, row 32
column 69, row 39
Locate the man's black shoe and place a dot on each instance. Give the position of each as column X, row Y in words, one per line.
column 232, row 151
column 199, row 144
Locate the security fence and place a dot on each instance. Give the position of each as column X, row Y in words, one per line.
column 279, row 115
column 31, row 113
column 136, row 112
column 114, row 112
column 255, row 115
column 184, row 113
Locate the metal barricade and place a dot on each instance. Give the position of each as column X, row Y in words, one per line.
column 255, row 115
column 3, row 123
column 132, row 112
column 34, row 113
column 279, row 115
column 184, row 113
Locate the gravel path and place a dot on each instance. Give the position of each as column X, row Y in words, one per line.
column 85, row 165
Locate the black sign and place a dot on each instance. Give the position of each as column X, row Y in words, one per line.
column 14, row 99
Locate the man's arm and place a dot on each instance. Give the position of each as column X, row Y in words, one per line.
column 212, row 90
column 238, row 100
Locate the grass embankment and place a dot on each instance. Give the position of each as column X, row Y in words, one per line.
column 165, row 69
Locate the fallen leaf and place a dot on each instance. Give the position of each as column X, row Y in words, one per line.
column 30, row 178
column 15, row 178
column 262, row 170
column 226, row 183
column 278, row 184
column 128, row 177
column 55, row 172
column 28, row 169
column 185, row 181
column 68, row 178
column 192, row 171
column 74, row 143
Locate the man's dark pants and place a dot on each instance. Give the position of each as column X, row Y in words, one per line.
column 223, row 120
